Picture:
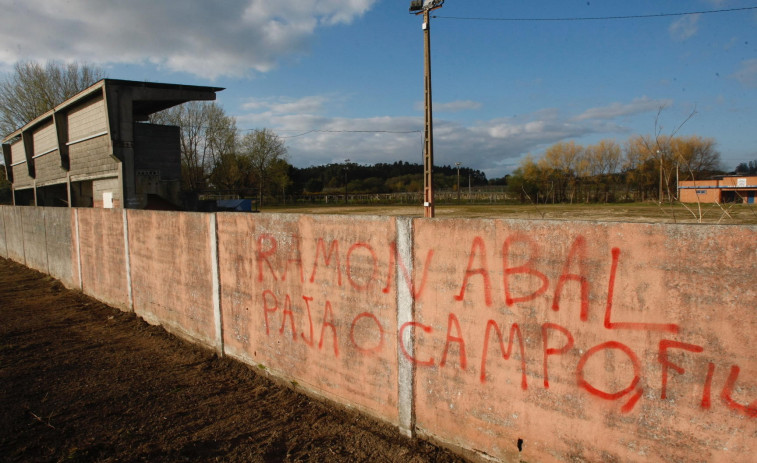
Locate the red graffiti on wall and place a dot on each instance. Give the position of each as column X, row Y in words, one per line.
column 457, row 338
column 266, row 249
column 558, row 344
column 380, row 345
column 477, row 252
column 577, row 249
column 332, row 253
column 567, row 346
column 394, row 258
column 664, row 360
column 559, row 341
column 329, row 326
column 574, row 271
column 506, row 353
column 610, row 325
column 527, row 268
column 330, row 263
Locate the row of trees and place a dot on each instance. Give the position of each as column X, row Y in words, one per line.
column 644, row 167
column 747, row 168
column 215, row 156
column 397, row 177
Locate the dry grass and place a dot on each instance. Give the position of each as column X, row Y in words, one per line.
column 648, row 212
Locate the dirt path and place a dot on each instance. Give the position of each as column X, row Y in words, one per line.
column 81, row 381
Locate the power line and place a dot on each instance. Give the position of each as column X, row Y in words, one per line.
column 350, row 131
column 602, row 18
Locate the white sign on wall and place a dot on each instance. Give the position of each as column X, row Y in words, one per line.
column 741, row 182
column 108, row 199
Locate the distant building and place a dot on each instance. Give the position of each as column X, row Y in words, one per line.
column 96, row 149
column 726, row 190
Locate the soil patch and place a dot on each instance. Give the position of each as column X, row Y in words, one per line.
column 81, row 381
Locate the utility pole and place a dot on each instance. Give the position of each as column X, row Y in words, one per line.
column 424, row 7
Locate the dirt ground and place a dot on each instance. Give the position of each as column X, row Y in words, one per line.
column 81, row 381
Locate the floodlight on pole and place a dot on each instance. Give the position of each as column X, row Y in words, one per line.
column 424, row 7
column 421, row 5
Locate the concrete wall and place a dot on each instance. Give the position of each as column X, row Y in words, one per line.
column 511, row 340
column 35, row 238
column 304, row 297
column 88, row 119
column 157, row 147
column 3, row 245
column 40, row 238
column 61, row 259
column 20, row 168
column 106, row 186
column 92, row 158
column 102, row 253
column 172, row 272
column 14, row 233
column 585, row 341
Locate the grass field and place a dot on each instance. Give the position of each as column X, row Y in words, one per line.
column 622, row 212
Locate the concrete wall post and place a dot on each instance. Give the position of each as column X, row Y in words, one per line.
column 126, row 260
column 405, row 314
column 78, row 248
column 3, row 233
column 213, row 228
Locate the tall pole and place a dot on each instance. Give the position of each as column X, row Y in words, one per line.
column 428, row 154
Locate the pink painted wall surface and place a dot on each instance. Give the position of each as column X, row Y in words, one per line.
column 534, row 340
column 307, row 297
column 103, row 259
column 171, row 272
column 630, row 342
column 35, row 244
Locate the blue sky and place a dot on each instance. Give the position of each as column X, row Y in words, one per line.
column 336, row 78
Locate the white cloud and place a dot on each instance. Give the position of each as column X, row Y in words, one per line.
column 747, row 73
column 637, row 106
column 684, row 27
column 451, row 107
column 208, row 39
column 310, row 104
column 494, row 146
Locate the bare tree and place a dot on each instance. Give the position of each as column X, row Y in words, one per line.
column 233, row 173
column 33, row 89
column 603, row 160
column 562, row 160
column 264, row 148
column 695, row 155
column 207, row 135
